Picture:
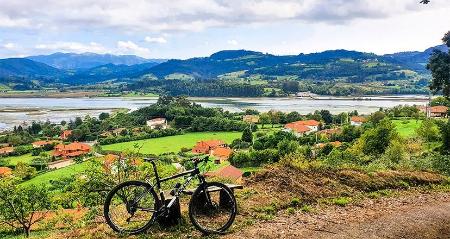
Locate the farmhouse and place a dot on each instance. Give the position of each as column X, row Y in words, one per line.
column 439, row 111
column 71, row 150
column 228, row 172
column 160, row 123
column 65, row 134
column 205, row 147
column 300, row 128
column 357, row 120
column 6, row 150
column 253, row 119
column 221, row 154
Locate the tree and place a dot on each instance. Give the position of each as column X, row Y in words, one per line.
column 264, row 119
column 103, row 116
column 376, row 140
column 326, row 116
column 445, row 132
column 247, row 135
column 377, row 117
column 428, row 130
column 287, row 146
column 439, row 65
column 24, row 171
column 22, row 207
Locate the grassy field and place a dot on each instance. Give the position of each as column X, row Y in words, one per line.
column 407, row 128
column 172, row 143
column 13, row 160
column 57, row 174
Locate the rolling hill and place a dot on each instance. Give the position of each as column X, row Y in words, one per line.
column 89, row 60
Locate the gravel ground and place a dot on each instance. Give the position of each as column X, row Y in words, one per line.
column 412, row 216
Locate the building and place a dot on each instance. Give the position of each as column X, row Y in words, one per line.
column 357, row 120
column 205, row 147
column 228, row 172
column 157, row 123
column 65, row 134
column 330, row 132
column 221, row 154
column 42, row 143
column 303, row 127
column 439, row 111
column 253, row 119
column 71, row 150
column 5, row 172
column 118, row 131
column 6, row 150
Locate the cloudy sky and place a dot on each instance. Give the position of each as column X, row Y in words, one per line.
column 188, row 28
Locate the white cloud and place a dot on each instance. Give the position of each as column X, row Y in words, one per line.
column 232, row 42
column 160, row 40
column 195, row 15
column 9, row 46
column 129, row 47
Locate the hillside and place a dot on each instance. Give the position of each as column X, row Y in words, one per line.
column 89, row 60
column 231, row 73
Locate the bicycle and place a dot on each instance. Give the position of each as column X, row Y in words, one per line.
column 132, row 207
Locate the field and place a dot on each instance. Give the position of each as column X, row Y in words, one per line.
column 407, row 127
column 172, row 143
column 13, row 160
column 57, row 174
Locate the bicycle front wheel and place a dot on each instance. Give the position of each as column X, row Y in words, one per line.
column 212, row 208
column 131, row 207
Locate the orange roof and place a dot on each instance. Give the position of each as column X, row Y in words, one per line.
column 213, row 143
column 226, row 172
column 222, row 152
column 299, row 128
column 5, row 171
column 330, row 131
column 334, row 144
column 73, row 146
column 42, row 142
column 6, row 150
column 439, row 109
column 358, row 119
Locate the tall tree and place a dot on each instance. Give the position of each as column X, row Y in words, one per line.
column 439, row 65
column 247, row 135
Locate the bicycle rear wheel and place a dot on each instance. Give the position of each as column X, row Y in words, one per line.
column 131, row 207
column 212, row 208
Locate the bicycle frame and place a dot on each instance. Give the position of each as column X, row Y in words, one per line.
column 192, row 174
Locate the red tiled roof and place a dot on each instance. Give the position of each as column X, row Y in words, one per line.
column 439, row 109
column 299, row 128
column 226, row 172
column 214, row 143
column 222, row 152
column 358, row 119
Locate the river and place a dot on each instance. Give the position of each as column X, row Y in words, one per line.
column 15, row 111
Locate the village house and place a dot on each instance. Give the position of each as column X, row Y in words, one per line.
column 303, row 127
column 330, row 132
column 71, row 150
column 439, row 111
column 228, row 172
column 252, row 119
column 6, row 150
column 118, row 131
column 357, row 120
column 65, row 134
column 221, row 154
column 205, row 147
column 157, row 123
column 42, row 143
column 5, row 172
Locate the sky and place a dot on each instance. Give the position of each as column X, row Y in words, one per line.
column 192, row 28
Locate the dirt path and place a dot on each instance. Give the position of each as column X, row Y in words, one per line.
column 412, row 216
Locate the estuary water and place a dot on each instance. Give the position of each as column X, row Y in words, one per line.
column 15, row 111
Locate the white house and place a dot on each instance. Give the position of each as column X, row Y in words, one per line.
column 357, row 121
column 160, row 123
column 300, row 128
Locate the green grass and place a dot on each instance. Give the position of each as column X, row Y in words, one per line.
column 13, row 160
column 407, row 127
column 68, row 171
column 172, row 143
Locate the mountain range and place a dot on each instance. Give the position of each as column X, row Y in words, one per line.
column 89, row 68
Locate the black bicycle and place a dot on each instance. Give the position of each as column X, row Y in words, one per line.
column 132, row 207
